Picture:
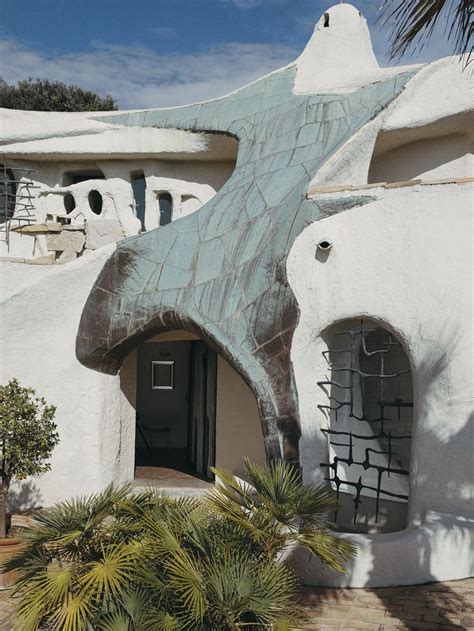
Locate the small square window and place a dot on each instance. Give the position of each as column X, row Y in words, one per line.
column 162, row 375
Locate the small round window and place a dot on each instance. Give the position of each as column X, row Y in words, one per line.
column 95, row 202
column 69, row 202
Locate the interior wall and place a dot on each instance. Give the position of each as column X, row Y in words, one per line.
column 239, row 432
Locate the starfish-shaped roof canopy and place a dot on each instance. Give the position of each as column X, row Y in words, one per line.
column 221, row 272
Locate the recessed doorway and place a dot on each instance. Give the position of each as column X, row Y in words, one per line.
column 176, row 407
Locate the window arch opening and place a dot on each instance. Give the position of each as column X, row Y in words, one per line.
column 95, row 201
column 69, row 203
column 369, row 409
column 165, row 206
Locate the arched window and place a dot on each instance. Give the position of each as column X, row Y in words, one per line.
column 370, row 414
column 95, row 201
column 7, row 193
column 165, row 205
column 139, row 195
column 69, row 202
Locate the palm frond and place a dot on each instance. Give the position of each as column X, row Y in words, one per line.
column 413, row 22
column 249, row 593
column 117, row 561
column 116, row 620
column 74, row 614
column 110, row 575
column 280, row 488
column 236, row 490
column 186, row 578
column 331, row 550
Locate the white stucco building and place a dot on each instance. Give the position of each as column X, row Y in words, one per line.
column 285, row 272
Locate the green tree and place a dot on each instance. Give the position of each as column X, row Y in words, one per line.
column 51, row 96
column 120, row 560
column 27, row 438
column 413, row 21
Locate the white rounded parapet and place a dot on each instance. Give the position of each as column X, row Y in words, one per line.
column 435, row 551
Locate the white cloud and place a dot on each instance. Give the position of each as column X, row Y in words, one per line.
column 140, row 77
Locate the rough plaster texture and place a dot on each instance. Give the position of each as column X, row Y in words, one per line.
column 414, row 276
column 65, row 240
column 40, row 309
column 102, row 232
column 439, row 547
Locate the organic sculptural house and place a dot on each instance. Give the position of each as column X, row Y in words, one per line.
column 283, row 272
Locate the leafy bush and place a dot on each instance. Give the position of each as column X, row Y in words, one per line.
column 51, row 96
column 27, row 437
column 121, row 560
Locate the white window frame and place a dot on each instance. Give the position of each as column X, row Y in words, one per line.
column 162, row 363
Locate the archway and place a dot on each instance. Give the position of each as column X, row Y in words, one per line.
column 191, row 411
column 369, row 413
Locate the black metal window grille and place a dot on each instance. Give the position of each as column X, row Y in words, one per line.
column 16, row 199
column 370, row 385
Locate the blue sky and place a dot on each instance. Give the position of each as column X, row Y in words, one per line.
column 152, row 53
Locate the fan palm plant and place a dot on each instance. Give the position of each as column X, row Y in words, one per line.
column 122, row 560
column 277, row 511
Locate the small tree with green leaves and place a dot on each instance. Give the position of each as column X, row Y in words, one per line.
column 27, row 438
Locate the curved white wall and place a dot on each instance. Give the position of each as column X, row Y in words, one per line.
column 406, row 261
column 40, row 309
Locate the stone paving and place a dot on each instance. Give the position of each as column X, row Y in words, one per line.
column 438, row 606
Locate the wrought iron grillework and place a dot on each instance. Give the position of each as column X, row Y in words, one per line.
column 16, row 198
column 363, row 386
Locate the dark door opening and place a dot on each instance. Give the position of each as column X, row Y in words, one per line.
column 176, row 406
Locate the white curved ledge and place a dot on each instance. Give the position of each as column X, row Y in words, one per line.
column 440, row 549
